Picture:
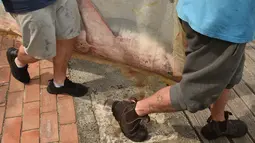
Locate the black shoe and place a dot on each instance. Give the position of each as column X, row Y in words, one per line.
column 130, row 123
column 21, row 74
column 73, row 89
column 228, row 128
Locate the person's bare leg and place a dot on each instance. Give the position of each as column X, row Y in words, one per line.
column 158, row 102
column 218, row 108
column 24, row 59
column 60, row 61
column 60, row 84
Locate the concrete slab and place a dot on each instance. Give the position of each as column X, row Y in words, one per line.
column 109, row 82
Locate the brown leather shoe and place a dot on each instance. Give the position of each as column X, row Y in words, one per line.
column 130, row 123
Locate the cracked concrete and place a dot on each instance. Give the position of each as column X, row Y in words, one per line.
column 110, row 81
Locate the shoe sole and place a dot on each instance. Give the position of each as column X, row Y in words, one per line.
column 227, row 136
column 223, row 135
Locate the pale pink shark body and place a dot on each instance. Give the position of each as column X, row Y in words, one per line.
column 137, row 49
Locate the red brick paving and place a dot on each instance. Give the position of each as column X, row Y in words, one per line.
column 45, row 64
column 33, row 70
column 2, row 109
column 30, row 114
column 14, row 104
column 45, row 76
column 3, row 92
column 3, row 59
column 68, row 133
column 62, row 95
column 5, row 75
column 30, row 136
column 66, row 110
column 7, row 43
column 32, row 91
column 11, row 132
column 49, row 127
column 1, row 37
column 48, row 101
column 15, row 85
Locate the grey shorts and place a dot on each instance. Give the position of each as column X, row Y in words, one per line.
column 41, row 28
column 212, row 65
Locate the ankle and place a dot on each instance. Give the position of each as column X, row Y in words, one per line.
column 18, row 63
column 140, row 110
column 218, row 118
column 58, row 83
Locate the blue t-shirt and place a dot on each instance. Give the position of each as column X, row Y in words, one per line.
column 229, row 20
column 22, row 6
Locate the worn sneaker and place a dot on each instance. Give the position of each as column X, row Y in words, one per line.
column 73, row 89
column 21, row 74
column 130, row 123
column 228, row 128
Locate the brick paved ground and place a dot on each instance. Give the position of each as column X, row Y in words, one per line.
column 28, row 114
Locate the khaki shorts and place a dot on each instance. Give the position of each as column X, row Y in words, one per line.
column 212, row 65
column 41, row 28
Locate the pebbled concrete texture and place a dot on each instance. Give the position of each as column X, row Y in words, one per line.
column 110, row 81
